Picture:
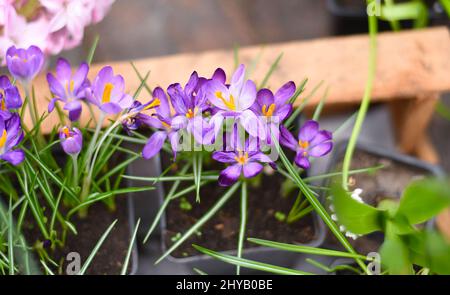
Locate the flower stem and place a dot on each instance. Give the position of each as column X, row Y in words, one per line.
column 365, row 101
column 87, row 180
column 243, row 223
column 31, row 106
column 75, row 170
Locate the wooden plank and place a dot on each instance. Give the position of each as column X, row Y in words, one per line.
column 408, row 63
column 411, row 118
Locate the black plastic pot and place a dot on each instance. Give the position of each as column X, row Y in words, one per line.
column 379, row 152
column 262, row 254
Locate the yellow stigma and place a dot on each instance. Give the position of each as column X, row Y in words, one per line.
column 3, row 138
column 107, row 92
column 228, row 103
column 155, row 103
column 268, row 112
column 191, row 113
column 65, row 130
column 242, row 158
column 69, row 86
column 165, row 124
column 2, row 105
column 303, row 144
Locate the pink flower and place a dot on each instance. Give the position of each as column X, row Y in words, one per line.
column 101, row 7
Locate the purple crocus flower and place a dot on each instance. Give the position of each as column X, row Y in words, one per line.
column 273, row 109
column 24, row 64
column 136, row 118
column 312, row 142
column 11, row 135
column 71, row 140
column 68, row 88
column 241, row 162
column 234, row 100
column 9, row 98
column 107, row 92
column 189, row 104
column 162, row 121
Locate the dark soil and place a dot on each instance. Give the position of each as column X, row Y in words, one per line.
column 221, row 232
column 387, row 183
column 111, row 255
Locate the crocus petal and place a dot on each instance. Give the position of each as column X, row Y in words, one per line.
column 283, row 112
column 55, row 86
column 287, row 139
column 126, row 101
column 219, row 75
column 163, row 109
column 252, row 169
column 284, row 93
column 260, row 157
column 301, row 161
column 4, row 82
column 264, row 97
column 212, row 88
column 177, row 97
column 179, row 122
column 174, row 138
column 224, row 157
column 252, row 124
column 247, row 96
column 237, row 81
column 154, row 144
column 320, row 149
column 12, row 98
column 63, row 69
column 74, row 108
column 80, row 75
column 111, row 108
column 230, row 175
column 308, row 130
column 14, row 157
column 151, row 121
column 191, row 84
column 321, row 137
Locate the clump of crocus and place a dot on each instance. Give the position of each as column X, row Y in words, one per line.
column 11, row 135
column 9, row 98
column 68, row 87
column 108, row 92
column 71, row 140
column 24, row 64
column 311, row 142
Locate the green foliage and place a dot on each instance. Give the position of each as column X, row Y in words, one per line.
column 405, row 243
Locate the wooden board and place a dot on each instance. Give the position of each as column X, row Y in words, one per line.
column 408, row 63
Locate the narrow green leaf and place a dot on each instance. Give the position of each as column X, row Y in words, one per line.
column 304, row 249
column 130, row 248
column 96, row 248
column 250, row 263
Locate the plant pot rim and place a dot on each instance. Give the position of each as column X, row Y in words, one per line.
column 318, row 224
column 380, row 151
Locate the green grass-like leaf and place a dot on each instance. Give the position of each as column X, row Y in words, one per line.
column 250, row 263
